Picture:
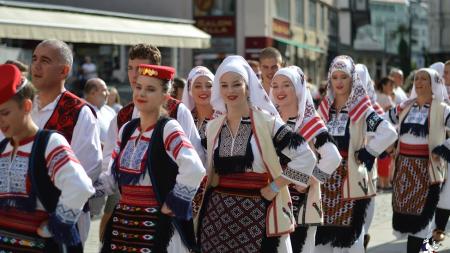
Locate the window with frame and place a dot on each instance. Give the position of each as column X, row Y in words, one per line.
column 282, row 9
column 312, row 14
column 300, row 12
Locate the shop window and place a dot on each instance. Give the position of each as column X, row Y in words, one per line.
column 282, row 9
column 214, row 7
column 300, row 12
column 312, row 14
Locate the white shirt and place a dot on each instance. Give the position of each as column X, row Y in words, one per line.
column 64, row 171
column 85, row 138
column 184, row 117
column 400, row 95
column 104, row 117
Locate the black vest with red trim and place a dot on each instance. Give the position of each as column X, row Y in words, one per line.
column 65, row 115
column 126, row 113
column 163, row 172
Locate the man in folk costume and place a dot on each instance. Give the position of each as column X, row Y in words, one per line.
column 144, row 54
column 420, row 166
column 157, row 171
column 246, row 186
column 348, row 114
column 43, row 186
column 294, row 102
column 60, row 110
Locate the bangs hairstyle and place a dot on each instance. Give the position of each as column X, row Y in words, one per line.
column 145, row 51
column 271, row 53
column 26, row 92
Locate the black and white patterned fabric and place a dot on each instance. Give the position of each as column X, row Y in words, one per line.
column 373, row 121
column 234, row 154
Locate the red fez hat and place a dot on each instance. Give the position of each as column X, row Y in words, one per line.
column 10, row 81
column 161, row 72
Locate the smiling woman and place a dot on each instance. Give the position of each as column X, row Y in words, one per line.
column 421, row 156
column 158, row 172
column 243, row 143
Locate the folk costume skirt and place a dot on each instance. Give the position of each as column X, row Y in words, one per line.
column 233, row 217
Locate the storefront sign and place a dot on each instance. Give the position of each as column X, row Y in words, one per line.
column 281, row 28
column 217, row 26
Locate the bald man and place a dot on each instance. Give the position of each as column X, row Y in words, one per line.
column 96, row 94
column 55, row 108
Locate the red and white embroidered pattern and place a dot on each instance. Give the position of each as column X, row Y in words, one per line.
column 175, row 142
column 358, row 102
column 57, row 158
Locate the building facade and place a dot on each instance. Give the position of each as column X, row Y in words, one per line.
column 439, row 29
column 298, row 28
column 392, row 21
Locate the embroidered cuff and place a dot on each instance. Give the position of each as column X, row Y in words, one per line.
column 320, row 175
column 322, row 139
column 62, row 225
column 297, row 177
column 285, row 137
column 373, row 121
column 179, row 200
column 365, row 157
column 442, row 151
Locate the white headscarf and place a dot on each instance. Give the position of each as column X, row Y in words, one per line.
column 358, row 102
column 308, row 121
column 439, row 67
column 238, row 65
column 195, row 73
column 437, row 87
column 364, row 75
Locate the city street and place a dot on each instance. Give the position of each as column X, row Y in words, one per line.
column 382, row 241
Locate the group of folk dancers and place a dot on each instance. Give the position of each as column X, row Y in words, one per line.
column 236, row 166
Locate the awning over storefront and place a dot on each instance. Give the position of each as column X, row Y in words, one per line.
column 19, row 22
column 300, row 45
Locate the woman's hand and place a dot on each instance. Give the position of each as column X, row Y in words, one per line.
column 43, row 230
column 436, row 158
column 267, row 193
column 166, row 210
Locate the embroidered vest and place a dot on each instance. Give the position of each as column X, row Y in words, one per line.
column 41, row 184
column 162, row 171
column 126, row 113
column 436, row 137
column 279, row 216
column 358, row 183
column 65, row 116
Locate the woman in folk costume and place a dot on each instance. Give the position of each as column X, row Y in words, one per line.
column 157, row 171
column 247, row 206
column 419, row 171
column 443, row 208
column 43, row 186
column 361, row 135
column 197, row 98
column 382, row 162
column 296, row 107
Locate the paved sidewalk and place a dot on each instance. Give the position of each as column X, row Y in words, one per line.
column 382, row 238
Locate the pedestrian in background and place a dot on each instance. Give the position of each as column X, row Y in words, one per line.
column 114, row 99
